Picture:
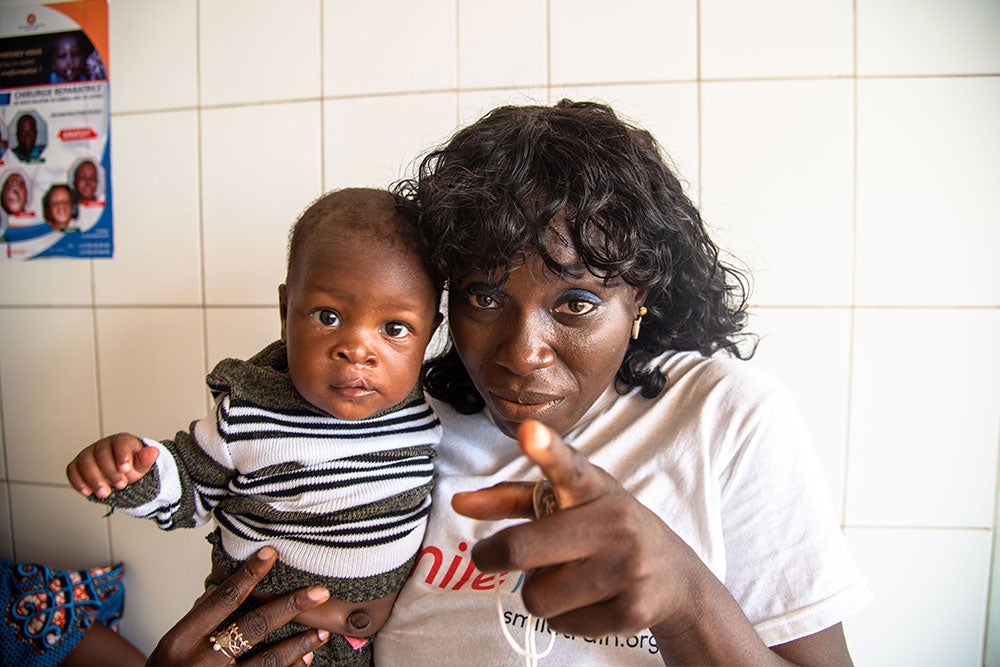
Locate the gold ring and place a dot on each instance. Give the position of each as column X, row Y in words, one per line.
column 544, row 499
column 230, row 643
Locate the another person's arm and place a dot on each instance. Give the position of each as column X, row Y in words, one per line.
column 639, row 573
column 187, row 644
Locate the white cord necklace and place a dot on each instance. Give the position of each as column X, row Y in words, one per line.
column 530, row 649
column 544, row 500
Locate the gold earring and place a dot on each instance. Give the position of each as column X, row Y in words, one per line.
column 638, row 321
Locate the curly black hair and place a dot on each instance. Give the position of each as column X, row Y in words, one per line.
column 495, row 189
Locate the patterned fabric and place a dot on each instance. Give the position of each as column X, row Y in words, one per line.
column 47, row 612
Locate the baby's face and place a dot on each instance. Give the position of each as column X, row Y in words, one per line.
column 15, row 194
column 357, row 318
column 27, row 132
column 85, row 181
column 60, row 208
column 68, row 60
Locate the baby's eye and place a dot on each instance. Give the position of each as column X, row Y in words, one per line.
column 575, row 307
column 396, row 330
column 326, row 317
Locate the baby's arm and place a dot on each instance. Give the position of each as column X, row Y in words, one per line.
column 112, row 462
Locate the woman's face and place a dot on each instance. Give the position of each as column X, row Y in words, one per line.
column 15, row 194
column 541, row 346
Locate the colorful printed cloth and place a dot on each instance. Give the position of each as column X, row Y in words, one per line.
column 47, row 612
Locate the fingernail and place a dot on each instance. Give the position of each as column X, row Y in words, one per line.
column 307, row 658
column 124, row 467
column 323, row 634
column 121, row 484
column 317, row 594
column 266, row 553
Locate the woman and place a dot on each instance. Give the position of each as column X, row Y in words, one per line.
column 584, row 294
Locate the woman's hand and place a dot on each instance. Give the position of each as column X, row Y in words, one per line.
column 601, row 564
column 605, row 564
column 187, row 644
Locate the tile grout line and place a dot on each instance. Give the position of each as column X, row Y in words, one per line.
column 549, row 83
column 699, row 131
column 852, row 312
column 201, row 191
column 322, row 99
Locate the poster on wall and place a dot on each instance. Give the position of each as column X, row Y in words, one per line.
column 55, row 143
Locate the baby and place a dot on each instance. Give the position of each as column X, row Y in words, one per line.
column 67, row 59
column 14, row 194
column 85, row 182
column 321, row 445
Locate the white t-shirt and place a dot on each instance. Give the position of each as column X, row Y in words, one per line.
column 721, row 456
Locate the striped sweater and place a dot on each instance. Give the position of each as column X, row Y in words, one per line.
column 345, row 503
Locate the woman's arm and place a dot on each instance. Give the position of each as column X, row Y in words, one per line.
column 639, row 573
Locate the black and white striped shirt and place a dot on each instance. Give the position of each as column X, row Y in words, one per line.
column 339, row 500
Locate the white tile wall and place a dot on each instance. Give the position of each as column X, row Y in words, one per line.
column 927, row 37
column 777, row 182
column 154, row 160
column 923, row 418
column 373, row 47
column 74, row 537
column 49, row 389
column 820, row 383
column 847, row 151
column 930, row 596
column 775, row 38
column 250, row 61
column 373, row 141
column 591, row 41
column 517, row 29
column 260, row 167
column 6, row 533
column 240, row 332
column 46, row 283
column 928, row 204
column 138, row 544
column 154, row 55
column 152, row 367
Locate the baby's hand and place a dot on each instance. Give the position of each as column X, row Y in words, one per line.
column 115, row 461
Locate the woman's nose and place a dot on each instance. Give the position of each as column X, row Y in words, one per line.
column 522, row 345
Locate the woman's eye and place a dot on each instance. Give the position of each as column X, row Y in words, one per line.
column 575, row 307
column 483, row 301
column 326, row 318
column 396, row 330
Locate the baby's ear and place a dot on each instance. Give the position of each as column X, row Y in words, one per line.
column 283, row 307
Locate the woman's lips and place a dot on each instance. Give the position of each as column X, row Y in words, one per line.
column 518, row 407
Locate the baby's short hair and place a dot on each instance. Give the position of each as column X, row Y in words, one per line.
column 357, row 210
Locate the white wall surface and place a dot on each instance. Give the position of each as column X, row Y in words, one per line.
column 848, row 151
